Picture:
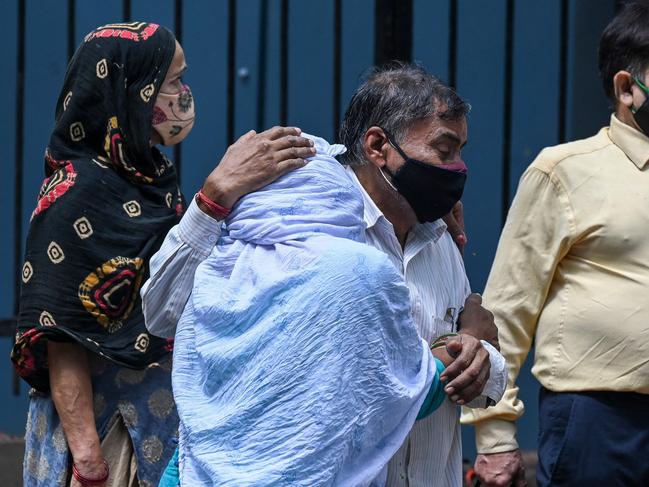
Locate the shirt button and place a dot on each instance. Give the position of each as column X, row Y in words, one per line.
column 212, row 238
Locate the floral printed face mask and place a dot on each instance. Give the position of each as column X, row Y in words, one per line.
column 173, row 115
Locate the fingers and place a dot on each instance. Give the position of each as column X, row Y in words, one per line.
column 289, row 141
column 454, row 347
column 278, row 132
column 504, row 469
column 294, row 153
column 247, row 136
column 474, row 298
column 469, row 384
column 458, row 213
column 472, row 390
column 494, row 342
column 455, row 225
column 289, row 165
column 462, row 361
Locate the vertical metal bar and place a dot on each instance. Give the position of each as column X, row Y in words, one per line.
column 563, row 72
column 283, row 78
column 72, row 27
column 392, row 30
column 18, row 166
column 507, row 111
column 452, row 44
column 261, row 65
column 178, row 31
column 232, row 50
column 126, row 10
column 337, row 67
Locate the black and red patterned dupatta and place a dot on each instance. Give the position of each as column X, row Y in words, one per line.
column 107, row 202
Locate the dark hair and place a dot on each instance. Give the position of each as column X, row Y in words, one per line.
column 393, row 97
column 625, row 45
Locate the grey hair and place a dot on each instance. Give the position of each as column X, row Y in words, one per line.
column 393, row 97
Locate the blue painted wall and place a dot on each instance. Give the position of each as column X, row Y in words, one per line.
column 476, row 49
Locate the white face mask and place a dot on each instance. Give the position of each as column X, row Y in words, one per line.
column 173, row 115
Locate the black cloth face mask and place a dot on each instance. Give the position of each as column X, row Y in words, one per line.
column 430, row 190
column 641, row 114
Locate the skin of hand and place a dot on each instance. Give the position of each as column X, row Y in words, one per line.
column 72, row 395
column 254, row 161
column 442, row 354
column 455, row 226
column 467, row 375
column 501, row 469
column 477, row 321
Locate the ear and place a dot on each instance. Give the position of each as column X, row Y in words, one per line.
column 622, row 85
column 375, row 145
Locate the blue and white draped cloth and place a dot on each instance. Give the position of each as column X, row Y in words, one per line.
column 296, row 361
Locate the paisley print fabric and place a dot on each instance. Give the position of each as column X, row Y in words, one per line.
column 107, row 202
column 141, row 399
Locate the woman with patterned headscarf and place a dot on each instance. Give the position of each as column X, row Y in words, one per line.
column 100, row 381
column 101, row 409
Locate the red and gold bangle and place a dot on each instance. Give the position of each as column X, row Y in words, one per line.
column 217, row 211
column 441, row 340
column 85, row 481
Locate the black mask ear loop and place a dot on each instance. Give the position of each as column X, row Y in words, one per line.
column 396, row 147
column 641, row 115
column 634, row 110
column 382, row 171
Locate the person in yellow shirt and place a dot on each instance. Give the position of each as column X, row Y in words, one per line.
column 571, row 275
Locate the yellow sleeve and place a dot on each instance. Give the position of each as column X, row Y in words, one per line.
column 537, row 234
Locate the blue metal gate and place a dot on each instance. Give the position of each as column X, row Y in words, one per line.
column 527, row 67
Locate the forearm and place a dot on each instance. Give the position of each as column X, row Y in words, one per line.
column 72, row 395
column 538, row 233
column 166, row 292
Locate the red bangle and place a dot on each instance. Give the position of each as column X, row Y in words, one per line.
column 85, row 481
column 217, row 211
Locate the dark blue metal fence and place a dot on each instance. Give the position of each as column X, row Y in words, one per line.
column 527, row 67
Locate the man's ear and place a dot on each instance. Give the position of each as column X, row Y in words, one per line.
column 375, row 144
column 623, row 84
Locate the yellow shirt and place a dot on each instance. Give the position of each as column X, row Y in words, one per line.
column 572, row 273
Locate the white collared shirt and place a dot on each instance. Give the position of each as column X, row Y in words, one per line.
column 434, row 273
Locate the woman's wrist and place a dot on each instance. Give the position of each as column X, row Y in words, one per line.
column 219, row 194
column 88, row 457
column 94, row 474
column 210, row 207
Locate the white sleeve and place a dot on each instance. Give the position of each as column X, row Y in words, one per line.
column 165, row 293
column 497, row 382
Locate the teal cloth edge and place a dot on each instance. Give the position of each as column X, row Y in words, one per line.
column 171, row 475
column 436, row 394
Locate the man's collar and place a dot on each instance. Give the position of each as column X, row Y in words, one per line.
column 371, row 212
column 632, row 142
column 432, row 231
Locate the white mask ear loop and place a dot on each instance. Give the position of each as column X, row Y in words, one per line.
column 387, row 180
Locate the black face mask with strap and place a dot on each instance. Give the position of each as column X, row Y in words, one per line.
column 431, row 191
column 641, row 114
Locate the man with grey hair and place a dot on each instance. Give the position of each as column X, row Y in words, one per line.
column 400, row 112
column 404, row 131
